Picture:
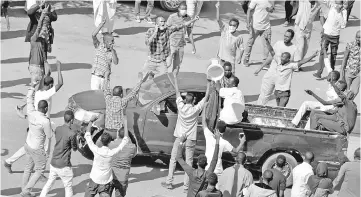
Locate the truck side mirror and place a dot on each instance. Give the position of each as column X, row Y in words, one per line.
column 156, row 109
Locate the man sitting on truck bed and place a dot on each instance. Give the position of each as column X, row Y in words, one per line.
column 341, row 120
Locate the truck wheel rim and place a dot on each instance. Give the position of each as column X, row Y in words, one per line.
column 172, row 3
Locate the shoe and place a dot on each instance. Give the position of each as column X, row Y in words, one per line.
column 286, row 24
column 8, row 167
column 27, row 194
column 137, row 19
column 185, row 191
column 167, row 185
column 149, row 20
column 246, row 63
column 19, row 112
column 317, row 75
column 43, row 178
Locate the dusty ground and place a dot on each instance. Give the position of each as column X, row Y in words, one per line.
column 73, row 47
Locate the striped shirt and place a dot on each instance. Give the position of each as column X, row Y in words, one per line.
column 102, row 60
column 177, row 37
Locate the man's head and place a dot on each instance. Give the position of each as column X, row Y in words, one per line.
column 43, row 106
column 182, row 8
column 356, row 155
column 227, row 66
column 338, row 6
column 289, row 34
column 341, row 85
column 267, row 176
column 285, row 58
column 108, row 40
column 333, row 76
column 202, row 161
column 212, row 179
column 309, row 157
column 118, row 91
column 221, row 126
column 69, row 117
column 281, row 161
column 233, row 25
column 48, row 83
column 358, row 37
column 121, row 133
column 105, row 139
column 161, row 23
column 234, row 81
column 189, row 98
column 241, row 158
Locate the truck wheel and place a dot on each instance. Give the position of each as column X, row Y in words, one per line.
column 291, row 163
column 170, row 5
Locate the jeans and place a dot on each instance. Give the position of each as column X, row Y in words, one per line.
column 120, row 181
column 96, row 82
column 349, row 8
column 65, row 174
column 93, row 189
column 333, row 41
column 158, row 68
column 176, row 57
column 21, row 152
column 254, row 33
column 282, row 97
column 288, row 9
column 267, row 88
column 189, row 147
column 150, row 6
column 353, row 82
column 35, row 160
column 308, row 105
column 329, row 122
column 302, row 41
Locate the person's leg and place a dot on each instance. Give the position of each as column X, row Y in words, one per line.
column 178, row 58
column 266, row 34
column 17, row 155
column 171, row 57
column 331, row 125
column 29, row 166
column 348, row 79
column 326, row 41
column 105, row 190
column 6, row 15
column 66, row 175
column 39, row 157
column 172, row 164
column 92, row 189
column 245, row 6
column 334, row 47
column 355, row 85
column 307, row 105
column 137, row 10
column 190, row 145
column 288, row 10
column 122, row 189
column 267, row 88
column 300, row 44
column 247, row 52
column 284, row 99
column 148, row 11
column 277, row 94
column 53, row 174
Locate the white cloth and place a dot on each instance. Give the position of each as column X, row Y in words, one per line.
column 335, row 21
column 101, row 172
column 301, row 173
column 187, row 119
column 303, row 14
column 260, row 16
column 30, row 3
column 105, row 9
column 44, row 95
column 96, row 83
column 308, row 105
column 279, row 47
column 224, row 146
column 65, row 174
column 233, row 105
column 284, row 75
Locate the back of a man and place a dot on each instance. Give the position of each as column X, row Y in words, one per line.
column 278, row 182
column 234, row 179
column 65, row 141
column 301, row 173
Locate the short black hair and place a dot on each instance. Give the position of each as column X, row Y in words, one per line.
column 202, row 161
column 68, row 116
column 227, row 64
column 337, row 74
column 212, row 179
column 288, row 54
column 236, row 81
column 117, row 90
column 291, row 32
column 221, row 126
column 234, row 20
column 48, row 80
column 105, row 139
column 42, row 104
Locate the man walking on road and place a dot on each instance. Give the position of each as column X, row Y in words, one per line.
column 258, row 24
column 60, row 165
column 231, row 41
column 186, row 126
column 35, row 147
column 105, row 54
column 148, row 11
column 301, row 173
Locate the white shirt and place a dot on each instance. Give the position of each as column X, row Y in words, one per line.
column 303, row 14
column 101, row 172
column 279, row 47
column 39, row 125
column 224, row 146
column 335, row 21
column 187, row 119
column 44, row 95
column 301, row 173
column 260, row 16
column 233, row 105
column 284, row 75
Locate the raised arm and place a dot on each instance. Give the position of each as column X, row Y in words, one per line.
column 269, row 47
column 250, row 11
column 96, row 42
column 40, row 23
column 220, row 23
column 106, row 89
column 175, row 73
column 135, row 90
column 240, row 147
column 33, row 9
column 213, row 164
column 346, row 54
column 304, row 61
column 60, row 77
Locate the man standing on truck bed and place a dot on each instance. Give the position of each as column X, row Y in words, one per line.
column 186, row 126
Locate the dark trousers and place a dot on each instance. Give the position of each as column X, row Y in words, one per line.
column 288, row 10
column 320, row 120
column 120, row 181
column 282, row 97
column 333, row 42
column 349, row 8
column 93, row 189
column 245, row 6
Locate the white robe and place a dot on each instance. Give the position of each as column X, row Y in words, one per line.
column 30, row 3
column 105, row 9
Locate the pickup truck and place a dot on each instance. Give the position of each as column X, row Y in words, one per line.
column 152, row 117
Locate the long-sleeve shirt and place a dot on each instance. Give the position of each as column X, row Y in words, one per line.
column 115, row 106
column 335, row 21
column 350, row 172
column 39, row 124
column 101, row 172
column 159, row 48
column 196, row 176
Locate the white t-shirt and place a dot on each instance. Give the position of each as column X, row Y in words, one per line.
column 260, row 16
column 224, row 146
column 233, row 105
column 284, row 75
column 301, row 173
column 44, row 95
column 279, row 47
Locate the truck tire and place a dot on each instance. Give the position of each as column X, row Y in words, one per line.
column 291, row 162
column 170, row 5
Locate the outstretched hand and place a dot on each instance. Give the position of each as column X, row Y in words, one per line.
column 309, row 92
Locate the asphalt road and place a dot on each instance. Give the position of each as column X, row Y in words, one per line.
column 73, row 47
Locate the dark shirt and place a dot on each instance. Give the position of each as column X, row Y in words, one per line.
column 210, row 192
column 278, row 181
column 196, row 176
column 65, row 140
column 347, row 114
column 37, row 52
column 123, row 159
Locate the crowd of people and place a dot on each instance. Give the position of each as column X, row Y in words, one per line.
column 115, row 149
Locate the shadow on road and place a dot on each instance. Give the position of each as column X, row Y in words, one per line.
column 131, row 30
column 12, row 34
column 19, row 60
column 14, row 95
column 4, row 152
column 70, row 66
column 15, row 191
column 10, row 83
